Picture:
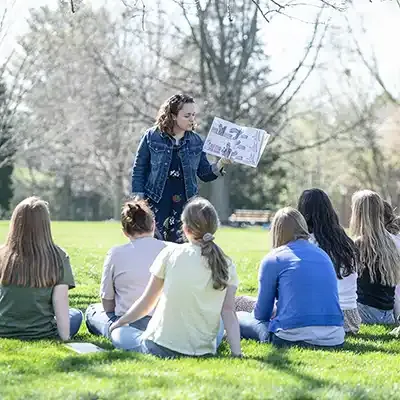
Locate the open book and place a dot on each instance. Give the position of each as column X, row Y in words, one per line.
column 84, row 348
column 238, row 143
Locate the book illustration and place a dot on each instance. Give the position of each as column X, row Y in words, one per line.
column 240, row 144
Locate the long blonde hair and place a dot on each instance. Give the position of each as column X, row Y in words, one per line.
column 377, row 251
column 29, row 257
column 201, row 220
column 288, row 225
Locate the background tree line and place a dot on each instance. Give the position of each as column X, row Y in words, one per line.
column 80, row 89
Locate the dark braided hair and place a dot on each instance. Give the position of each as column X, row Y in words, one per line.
column 323, row 223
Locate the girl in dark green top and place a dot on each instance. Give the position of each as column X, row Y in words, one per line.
column 35, row 276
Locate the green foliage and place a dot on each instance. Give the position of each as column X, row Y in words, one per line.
column 258, row 188
column 368, row 368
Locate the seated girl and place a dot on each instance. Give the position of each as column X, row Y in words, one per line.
column 378, row 259
column 35, row 276
column 193, row 285
column 326, row 232
column 301, row 277
column 126, row 269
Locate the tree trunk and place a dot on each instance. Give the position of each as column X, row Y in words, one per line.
column 118, row 193
column 65, row 199
column 219, row 197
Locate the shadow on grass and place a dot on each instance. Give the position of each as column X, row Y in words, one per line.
column 310, row 386
column 386, row 337
column 278, row 359
column 360, row 348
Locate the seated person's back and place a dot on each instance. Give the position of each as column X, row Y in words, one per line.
column 307, row 289
column 35, row 276
column 126, row 269
column 301, row 278
column 378, row 259
column 187, row 317
column 327, row 233
column 193, row 286
column 27, row 312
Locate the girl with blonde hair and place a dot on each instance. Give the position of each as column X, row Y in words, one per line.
column 193, row 286
column 302, row 278
column 378, row 259
column 35, row 275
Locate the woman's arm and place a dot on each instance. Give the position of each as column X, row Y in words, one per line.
column 143, row 305
column 230, row 320
column 61, row 310
column 141, row 166
column 267, row 285
column 208, row 172
column 107, row 290
column 108, row 305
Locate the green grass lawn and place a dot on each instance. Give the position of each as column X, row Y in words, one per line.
column 367, row 368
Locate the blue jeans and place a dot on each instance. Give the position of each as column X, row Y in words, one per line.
column 75, row 321
column 98, row 321
column 130, row 339
column 372, row 315
column 251, row 328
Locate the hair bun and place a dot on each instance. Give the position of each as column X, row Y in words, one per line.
column 131, row 211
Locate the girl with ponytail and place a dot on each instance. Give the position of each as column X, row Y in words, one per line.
column 193, row 285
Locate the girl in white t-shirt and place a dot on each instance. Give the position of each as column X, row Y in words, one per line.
column 326, row 232
column 193, row 285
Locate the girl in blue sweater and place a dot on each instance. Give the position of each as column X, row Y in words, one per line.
column 301, row 277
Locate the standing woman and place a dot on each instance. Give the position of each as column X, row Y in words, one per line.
column 379, row 259
column 168, row 161
column 327, row 233
column 35, row 275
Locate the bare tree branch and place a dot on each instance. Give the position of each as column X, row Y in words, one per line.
column 373, row 67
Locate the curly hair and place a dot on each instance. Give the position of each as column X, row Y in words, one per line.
column 171, row 106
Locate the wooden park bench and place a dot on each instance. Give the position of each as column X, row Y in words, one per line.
column 250, row 217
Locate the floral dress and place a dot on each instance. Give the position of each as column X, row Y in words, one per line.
column 169, row 209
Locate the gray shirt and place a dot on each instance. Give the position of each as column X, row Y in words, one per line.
column 126, row 271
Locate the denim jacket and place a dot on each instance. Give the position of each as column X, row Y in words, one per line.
column 153, row 159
